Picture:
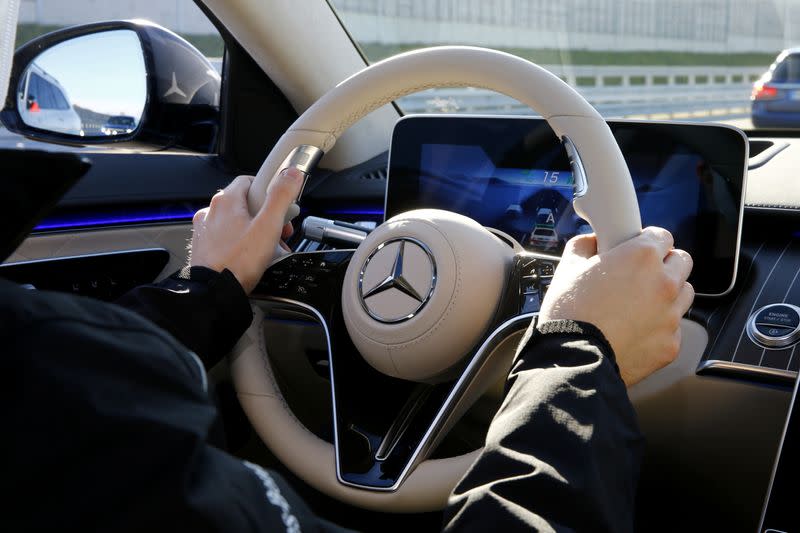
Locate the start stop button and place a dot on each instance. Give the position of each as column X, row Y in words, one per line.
column 775, row 326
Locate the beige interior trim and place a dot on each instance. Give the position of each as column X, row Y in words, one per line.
column 305, row 64
column 694, row 339
column 173, row 238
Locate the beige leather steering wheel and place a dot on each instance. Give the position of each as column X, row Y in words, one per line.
column 453, row 332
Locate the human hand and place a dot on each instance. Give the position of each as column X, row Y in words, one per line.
column 226, row 235
column 636, row 294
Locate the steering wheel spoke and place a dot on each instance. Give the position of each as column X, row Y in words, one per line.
column 385, row 426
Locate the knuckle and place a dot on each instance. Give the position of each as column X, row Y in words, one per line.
column 672, row 350
column 674, row 322
column 689, row 288
column 688, row 262
column 659, row 234
column 217, row 199
column 646, row 254
column 669, row 287
column 572, row 244
column 200, row 216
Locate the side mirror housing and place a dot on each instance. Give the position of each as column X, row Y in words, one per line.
column 114, row 82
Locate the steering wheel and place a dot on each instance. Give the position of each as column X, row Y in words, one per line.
column 416, row 315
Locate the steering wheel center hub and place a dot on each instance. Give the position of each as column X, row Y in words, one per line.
column 421, row 290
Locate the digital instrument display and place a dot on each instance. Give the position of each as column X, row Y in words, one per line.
column 513, row 175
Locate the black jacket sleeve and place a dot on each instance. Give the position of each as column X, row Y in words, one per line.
column 564, row 450
column 205, row 310
column 108, row 420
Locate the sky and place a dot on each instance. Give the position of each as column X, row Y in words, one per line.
column 103, row 72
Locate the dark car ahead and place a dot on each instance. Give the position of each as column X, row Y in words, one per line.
column 776, row 95
column 119, row 125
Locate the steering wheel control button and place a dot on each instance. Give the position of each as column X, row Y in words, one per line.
column 775, row 326
column 530, row 284
column 531, row 303
column 546, row 270
column 397, row 280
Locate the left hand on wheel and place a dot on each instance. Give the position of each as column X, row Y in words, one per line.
column 225, row 235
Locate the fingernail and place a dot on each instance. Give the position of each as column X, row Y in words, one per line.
column 292, row 173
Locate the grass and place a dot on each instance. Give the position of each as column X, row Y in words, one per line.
column 551, row 56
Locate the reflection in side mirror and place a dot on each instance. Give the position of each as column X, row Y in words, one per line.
column 89, row 86
column 115, row 82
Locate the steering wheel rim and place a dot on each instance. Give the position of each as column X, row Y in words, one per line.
column 593, row 151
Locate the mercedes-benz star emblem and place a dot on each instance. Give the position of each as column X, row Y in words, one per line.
column 392, row 307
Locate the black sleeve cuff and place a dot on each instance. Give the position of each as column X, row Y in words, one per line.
column 229, row 311
column 578, row 330
column 204, row 309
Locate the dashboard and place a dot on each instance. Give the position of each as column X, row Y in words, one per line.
column 713, row 419
column 512, row 174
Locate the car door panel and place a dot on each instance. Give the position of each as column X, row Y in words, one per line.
column 174, row 238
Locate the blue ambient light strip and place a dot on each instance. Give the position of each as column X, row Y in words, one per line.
column 86, row 220
column 89, row 221
column 361, row 212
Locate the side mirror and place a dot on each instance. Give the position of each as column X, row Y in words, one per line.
column 112, row 82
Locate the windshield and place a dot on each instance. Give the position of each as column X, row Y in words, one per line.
column 700, row 60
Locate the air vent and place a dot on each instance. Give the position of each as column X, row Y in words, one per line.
column 374, row 175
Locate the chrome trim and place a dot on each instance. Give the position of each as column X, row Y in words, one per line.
column 400, row 425
column 741, row 368
column 321, row 229
column 82, row 256
column 304, row 158
column 766, row 156
column 580, row 184
column 778, row 455
column 772, row 343
column 449, row 404
column 736, row 300
column 742, row 204
column 541, row 256
column 396, row 280
column 201, row 368
column 771, row 209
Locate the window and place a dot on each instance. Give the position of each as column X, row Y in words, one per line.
column 665, row 59
column 46, row 94
column 788, row 70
